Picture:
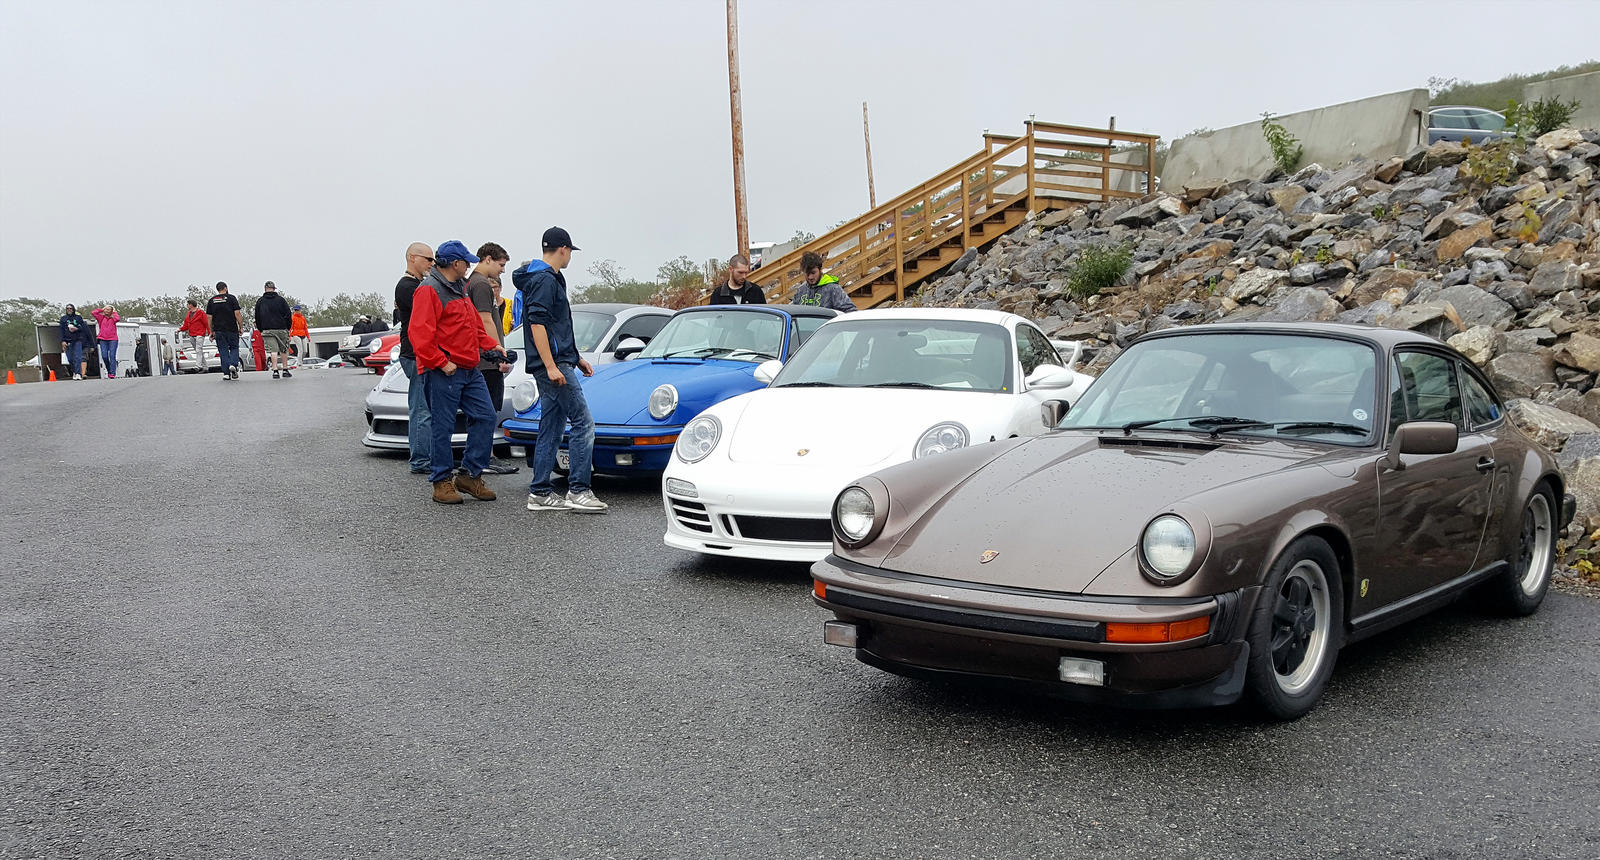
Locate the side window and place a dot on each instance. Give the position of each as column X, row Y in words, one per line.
column 1448, row 118
column 1423, row 388
column 1034, row 349
column 1482, row 409
column 801, row 330
column 641, row 327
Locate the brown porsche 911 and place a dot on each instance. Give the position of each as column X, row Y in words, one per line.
column 1225, row 508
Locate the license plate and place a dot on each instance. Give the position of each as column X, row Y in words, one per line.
column 564, row 460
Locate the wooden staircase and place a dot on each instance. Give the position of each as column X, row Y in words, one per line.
column 884, row 254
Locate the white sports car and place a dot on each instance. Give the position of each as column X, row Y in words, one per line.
column 755, row 476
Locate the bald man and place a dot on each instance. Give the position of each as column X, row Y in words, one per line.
column 419, row 423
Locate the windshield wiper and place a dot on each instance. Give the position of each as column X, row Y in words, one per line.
column 693, row 353
column 1194, row 421
column 902, row 385
column 1318, row 426
column 811, row 385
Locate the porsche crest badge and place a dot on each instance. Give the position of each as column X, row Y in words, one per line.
column 988, row 556
column 803, row 451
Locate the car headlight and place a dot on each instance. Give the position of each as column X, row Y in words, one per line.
column 663, row 401
column 940, row 438
column 698, row 439
column 853, row 513
column 1168, row 547
column 394, row 352
column 524, row 395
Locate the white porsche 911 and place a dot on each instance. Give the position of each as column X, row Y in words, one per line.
column 755, row 476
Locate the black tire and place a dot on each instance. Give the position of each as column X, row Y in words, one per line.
column 1521, row 587
column 1296, row 630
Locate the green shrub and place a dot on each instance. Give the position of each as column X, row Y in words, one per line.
column 1286, row 148
column 1528, row 121
column 1098, row 267
column 1492, row 164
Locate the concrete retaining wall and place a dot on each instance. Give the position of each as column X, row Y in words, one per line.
column 1584, row 89
column 1377, row 127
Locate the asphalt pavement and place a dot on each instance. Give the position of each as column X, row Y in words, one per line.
column 227, row 629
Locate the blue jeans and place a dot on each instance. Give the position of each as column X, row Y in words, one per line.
column 419, row 421
column 168, row 369
column 108, row 358
column 227, row 348
column 465, row 390
column 558, row 405
column 74, row 356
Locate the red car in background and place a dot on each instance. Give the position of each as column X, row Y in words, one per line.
column 378, row 361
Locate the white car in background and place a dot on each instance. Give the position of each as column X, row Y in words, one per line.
column 756, row 476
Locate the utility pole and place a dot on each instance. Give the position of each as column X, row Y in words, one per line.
column 743, row 224
column 866, row 132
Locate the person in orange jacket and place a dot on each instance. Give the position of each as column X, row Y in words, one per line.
column 299, row 334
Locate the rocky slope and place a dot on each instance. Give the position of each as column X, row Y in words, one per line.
column 1508, row 273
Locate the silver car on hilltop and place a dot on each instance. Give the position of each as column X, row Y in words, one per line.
column 603, row 333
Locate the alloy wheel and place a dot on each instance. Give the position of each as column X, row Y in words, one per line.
column 1300, row 628
column 1536, row 543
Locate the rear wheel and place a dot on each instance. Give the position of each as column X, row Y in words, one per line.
column 1296, row 630
column 1521, row 587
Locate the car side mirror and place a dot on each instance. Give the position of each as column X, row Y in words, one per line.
column 1052, row 411
column 629, row 347
column 1421, row 437
column 1051, row 376
column 767, row 370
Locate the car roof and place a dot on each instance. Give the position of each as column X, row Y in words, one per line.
column 792, row 310
column 607, row 307
column 988, row 316
column 1387, row 338
column 1433, row 108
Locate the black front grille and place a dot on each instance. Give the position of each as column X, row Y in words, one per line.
column 1028, row 625
column 691, row 515
column 784, row 529
column 390, row 427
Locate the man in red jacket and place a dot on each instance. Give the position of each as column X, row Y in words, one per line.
column 448, row 338
column 196, row 325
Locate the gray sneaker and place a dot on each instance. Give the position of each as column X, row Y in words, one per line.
column 550, row 502
column 586, row 503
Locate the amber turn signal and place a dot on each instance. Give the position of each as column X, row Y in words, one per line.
column 819, row 589
column 655, row 440
column 1145, row 633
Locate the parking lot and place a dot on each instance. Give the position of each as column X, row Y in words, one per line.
column 228, row 629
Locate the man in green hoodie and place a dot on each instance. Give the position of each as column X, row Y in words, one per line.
column 820, row 290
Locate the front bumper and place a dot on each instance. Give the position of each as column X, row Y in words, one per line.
column 617, row 449
column 929, row 628
column 761, row 512
column 391, row 433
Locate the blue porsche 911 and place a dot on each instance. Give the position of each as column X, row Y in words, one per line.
column 704, row 355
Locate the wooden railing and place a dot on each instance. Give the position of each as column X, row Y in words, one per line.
column 884, row 253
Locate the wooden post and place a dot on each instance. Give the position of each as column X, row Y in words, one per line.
column 866, row 133
column 1030, row 165
column 1150, row 165
column 899, row 255
column 966, row 213
column 741, row 224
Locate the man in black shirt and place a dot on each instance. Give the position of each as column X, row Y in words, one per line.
column 419, row 424
column 739, row 290
column 227, row 321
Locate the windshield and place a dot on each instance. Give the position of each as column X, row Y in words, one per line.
column 1285, row 385
column 588, row 328
column 738, row 335
column 950, row 354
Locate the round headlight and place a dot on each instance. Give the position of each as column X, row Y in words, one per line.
column 1168, row 545
column 524, row 395
column 941, row 438
column 394, row 352
column 663, row 401
column 698, row 439
column 853, row 513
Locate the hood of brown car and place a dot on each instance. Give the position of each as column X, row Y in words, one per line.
column 1052, row 513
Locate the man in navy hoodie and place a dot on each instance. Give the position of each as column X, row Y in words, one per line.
column 554, row 363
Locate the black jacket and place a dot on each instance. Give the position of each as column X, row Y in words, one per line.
column 749, row 294
column 272, row 312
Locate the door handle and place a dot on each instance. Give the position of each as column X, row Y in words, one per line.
column 1485, row 464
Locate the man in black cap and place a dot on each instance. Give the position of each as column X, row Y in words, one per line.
column 554, row 363
column 227, row 321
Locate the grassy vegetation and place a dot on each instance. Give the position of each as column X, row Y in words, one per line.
column 1495, row 94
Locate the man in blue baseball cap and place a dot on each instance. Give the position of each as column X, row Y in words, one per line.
column 448, row 338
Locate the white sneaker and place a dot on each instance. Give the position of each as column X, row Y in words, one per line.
column 551, row 502
column 77, row 376
column 586, row 503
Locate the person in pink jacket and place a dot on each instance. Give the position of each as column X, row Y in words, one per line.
column 106, row 320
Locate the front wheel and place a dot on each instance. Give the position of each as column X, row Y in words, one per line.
column 1296, row 630
column 1521, row 587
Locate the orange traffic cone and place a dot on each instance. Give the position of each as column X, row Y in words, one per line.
column 11, row 378
column 52, row 375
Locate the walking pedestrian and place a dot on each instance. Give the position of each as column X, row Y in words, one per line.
column 273, row 319
column 481, row 288
column 74, row 337
column 299, row 334
column 169, row 366
column 448, row 338
column 419, row 426
column 739, row 290
column 106, row 320
column 820, row 290
column 554, row 363
column 198, row 328
column 227, row 322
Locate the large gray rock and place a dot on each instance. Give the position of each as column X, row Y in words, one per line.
column 1368, row 314
column 1553, row 277
column 963, row 261
column 1307, row 273
column 1547, row 425
column 1519, row 374
column 1583, row 481
column 1581, row 351
column 1144, row 214
column 1305, row 304
column 1477, row 307
column 1580, row 446
column 1255, row 284
column 1430, row 318
column 1478, row 344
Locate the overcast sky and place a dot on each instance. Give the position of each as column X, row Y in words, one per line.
column 148, row 145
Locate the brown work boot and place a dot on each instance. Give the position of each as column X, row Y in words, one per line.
column 474, row 486
column 444, row 492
